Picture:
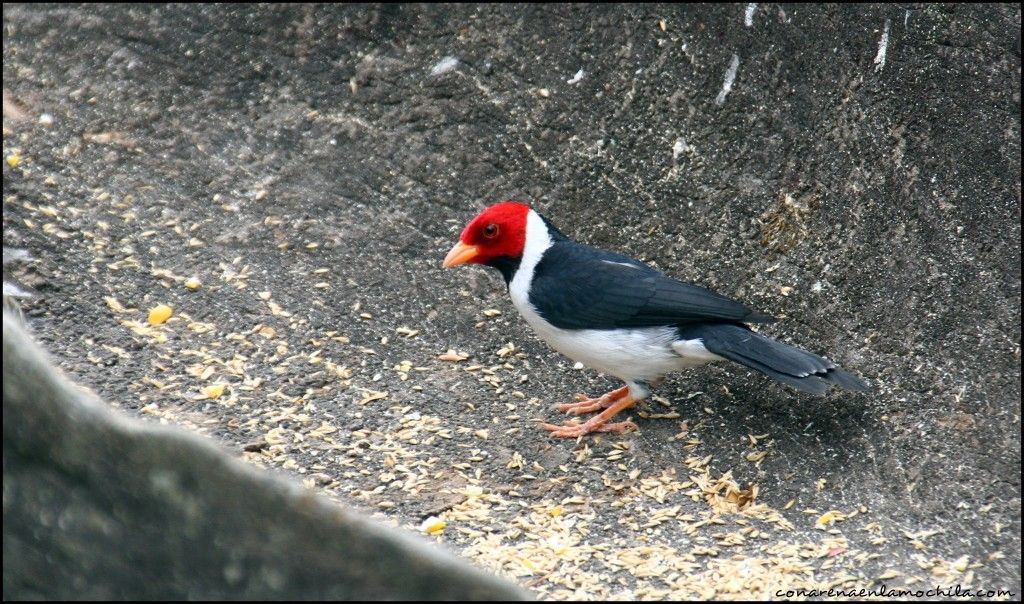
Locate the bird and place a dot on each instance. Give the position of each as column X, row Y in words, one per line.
column 624, row 318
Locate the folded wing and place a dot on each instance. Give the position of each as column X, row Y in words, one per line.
column 578, row 287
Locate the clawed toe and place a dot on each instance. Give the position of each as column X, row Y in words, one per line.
column 577, row 429
column 611, row 403
column 585, row 405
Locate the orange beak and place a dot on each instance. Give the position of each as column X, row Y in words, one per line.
column 461, row 254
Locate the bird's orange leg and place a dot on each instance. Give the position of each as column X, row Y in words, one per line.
column 598, row 423
column 586, row 404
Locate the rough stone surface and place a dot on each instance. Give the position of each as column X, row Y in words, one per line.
column 861, row 178
column 97, row 507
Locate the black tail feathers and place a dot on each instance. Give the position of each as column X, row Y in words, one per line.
column 787, row 364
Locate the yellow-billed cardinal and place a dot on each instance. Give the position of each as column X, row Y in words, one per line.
column 622, row 317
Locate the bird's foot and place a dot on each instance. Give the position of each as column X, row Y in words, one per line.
column 577, row 429
column 598, row 423
column 585, row 404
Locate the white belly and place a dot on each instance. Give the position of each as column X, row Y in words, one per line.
column 642, row 354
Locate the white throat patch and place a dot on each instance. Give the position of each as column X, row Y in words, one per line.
column 538, row 240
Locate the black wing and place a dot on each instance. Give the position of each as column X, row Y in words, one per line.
column 578, row 287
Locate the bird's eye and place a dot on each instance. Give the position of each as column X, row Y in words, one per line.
column 491, row 231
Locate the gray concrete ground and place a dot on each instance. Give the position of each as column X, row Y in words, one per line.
column 853, row 169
